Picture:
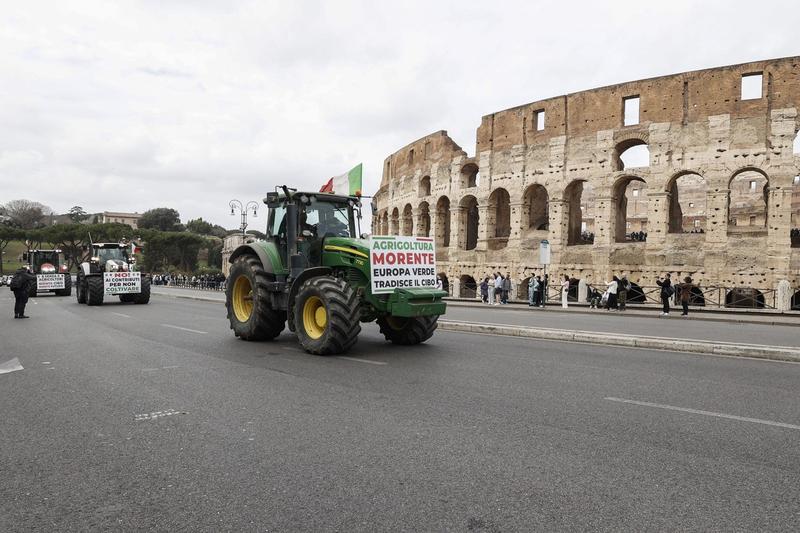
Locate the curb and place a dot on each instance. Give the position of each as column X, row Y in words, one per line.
column 759, row 351
column 697, row 315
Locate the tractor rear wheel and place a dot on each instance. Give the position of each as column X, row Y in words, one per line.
column 251, row 316
column 94, row 292
column 80, row 290
column 408, row 330
column 326, row 315
column 144, row 296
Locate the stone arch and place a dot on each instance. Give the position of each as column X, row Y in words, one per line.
column 408, row 220
column 636, row 157
column 385, row 223
column 394, row 223
column 796, row 301
column 535, row 211
column 467, row 286
column 744, row 297
column 499, row 218
column 424, row 186
column 578, row 209
column 470, row 176
column 423, row 220
column 442, row 232
column 748, row 201
column 687, row 203
column 629, row 221
column 470, row 218
column 794, row 217
column 522, row 289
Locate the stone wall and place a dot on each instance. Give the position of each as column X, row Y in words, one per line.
column 706, row 157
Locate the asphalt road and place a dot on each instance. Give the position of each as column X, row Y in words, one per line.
column 156, row 418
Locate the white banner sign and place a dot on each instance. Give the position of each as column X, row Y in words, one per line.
column 46, row 282
column 401, row 263
column 122, row 282
column 544, row 252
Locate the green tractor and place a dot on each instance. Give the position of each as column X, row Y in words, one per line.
column 111, row 271
column 52, row 274
column 313, row 272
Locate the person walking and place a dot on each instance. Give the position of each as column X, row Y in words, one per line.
column 542, row 290
column 490, row 293
column 612, row 287
column 564, row 291
column 666, row 292
column 485, row 290
column 21, row 285
column 623, row 286
column 685, row 294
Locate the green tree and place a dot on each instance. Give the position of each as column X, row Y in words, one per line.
column 162, row 219
column 165, row 249
column 8, row 234
column 77, row 214
column 199, row 226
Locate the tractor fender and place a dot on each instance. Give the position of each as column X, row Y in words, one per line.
column 297, row 283
column 258, row 251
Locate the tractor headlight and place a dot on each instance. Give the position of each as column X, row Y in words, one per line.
column 95, row 259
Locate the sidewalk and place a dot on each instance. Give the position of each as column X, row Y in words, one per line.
column 766, row 336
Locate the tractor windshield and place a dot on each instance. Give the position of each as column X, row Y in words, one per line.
column 118, row 254
column 41, row 258
column 327, row 219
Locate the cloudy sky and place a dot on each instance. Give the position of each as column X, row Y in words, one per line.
column 126, row 106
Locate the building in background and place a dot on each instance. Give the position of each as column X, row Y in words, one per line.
column 131, row 219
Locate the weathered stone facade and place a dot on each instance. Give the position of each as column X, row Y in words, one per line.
column 720, row 161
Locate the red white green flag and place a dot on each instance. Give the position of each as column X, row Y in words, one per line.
column 347, row 184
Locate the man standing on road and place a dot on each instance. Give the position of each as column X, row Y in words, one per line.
column 21, row 286
column 666, row 292
column 506, row 288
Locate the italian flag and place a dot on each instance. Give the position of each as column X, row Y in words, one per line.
column 347, row 184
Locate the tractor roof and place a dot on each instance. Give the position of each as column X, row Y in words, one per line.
column 321, row 196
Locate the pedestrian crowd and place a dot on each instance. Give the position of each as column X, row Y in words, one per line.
column 496, row 289
column 203, row 281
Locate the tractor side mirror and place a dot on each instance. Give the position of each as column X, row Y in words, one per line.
column 25, row 256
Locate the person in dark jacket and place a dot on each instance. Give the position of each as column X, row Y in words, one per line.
column 666, row 292
column 685, row 294
column 21, row 286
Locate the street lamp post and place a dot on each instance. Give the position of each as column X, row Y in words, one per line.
column 243, row 209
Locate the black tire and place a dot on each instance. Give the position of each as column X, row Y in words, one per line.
column 94, row 292
column 326, row 316
column 249, row 312
column 80, row 289
column 408, row 331
column 67, row 290
column 144, row 296
column 126, row 298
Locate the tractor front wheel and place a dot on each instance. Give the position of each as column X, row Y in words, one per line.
column 94, row 292
column 80, row 290
column 144, row 296
column 249, row 311
column 408, row 330
column 326, row 315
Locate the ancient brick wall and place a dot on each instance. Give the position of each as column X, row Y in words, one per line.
column 706, row 170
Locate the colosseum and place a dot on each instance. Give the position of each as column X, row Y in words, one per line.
column 695, row 174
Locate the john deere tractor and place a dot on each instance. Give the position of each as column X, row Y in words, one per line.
column 111, row 270
column 313, row 272
column 52, row 274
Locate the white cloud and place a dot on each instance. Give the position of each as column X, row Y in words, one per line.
column 134, row 105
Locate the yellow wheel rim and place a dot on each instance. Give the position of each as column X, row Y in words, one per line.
column 242, row 299
column 396, row 323
column 315, row 317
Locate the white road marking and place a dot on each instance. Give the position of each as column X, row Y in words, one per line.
column 363, row 360
column 184, row 329
column 11, row 366
column 35, row 302
column 706, row 413
column 157, row 414
column 169, row 367
column 120, row 314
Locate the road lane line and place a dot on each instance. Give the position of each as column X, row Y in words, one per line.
column 363, row 360
column 184, row 329
column 10, row 366
column 120, row 314
column 706, row 413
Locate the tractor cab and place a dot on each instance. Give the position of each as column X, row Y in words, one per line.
column 299, row 223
